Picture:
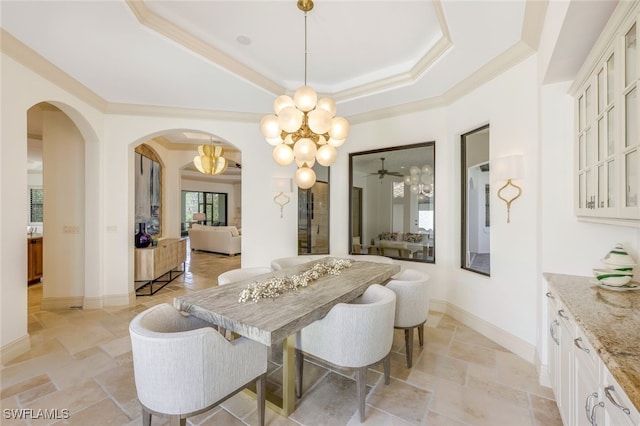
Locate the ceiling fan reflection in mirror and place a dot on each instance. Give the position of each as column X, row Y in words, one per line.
column 384, row 172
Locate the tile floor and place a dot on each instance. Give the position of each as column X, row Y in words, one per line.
column 81, row 361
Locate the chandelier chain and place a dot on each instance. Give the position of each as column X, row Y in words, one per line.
column 305, row 48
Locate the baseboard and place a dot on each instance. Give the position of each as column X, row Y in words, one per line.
column 438, row 306
column 543, row 375
column 119, row 299
column 509, row 341
column 14, row 349
column 49, row 303
column 92, row 303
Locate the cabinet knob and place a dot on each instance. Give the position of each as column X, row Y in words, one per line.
column 550, row 295
column 562, row 314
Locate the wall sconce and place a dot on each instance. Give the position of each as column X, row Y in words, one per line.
column 282, row 186
column 508, row 168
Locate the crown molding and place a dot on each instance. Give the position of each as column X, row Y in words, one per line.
column 623, row 13
column 492, row 69
column 403, row 79
column 534, row 14
column 26, row 56
column 163, row 111
column 160, row 25
column 503, row 62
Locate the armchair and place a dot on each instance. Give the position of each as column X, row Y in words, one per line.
column 183, row 367
column 412, row 306
column 352, row 335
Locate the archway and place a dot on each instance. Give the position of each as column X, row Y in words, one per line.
column 68, row 147
column 175, row 150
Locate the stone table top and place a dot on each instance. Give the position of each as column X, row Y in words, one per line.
column 611, row 321
column 271, row 320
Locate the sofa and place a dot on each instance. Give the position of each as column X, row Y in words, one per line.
column 217, row 239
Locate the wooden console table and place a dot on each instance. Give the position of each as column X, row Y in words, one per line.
column 153, row 264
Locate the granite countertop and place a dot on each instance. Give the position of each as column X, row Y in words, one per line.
column 611, row 321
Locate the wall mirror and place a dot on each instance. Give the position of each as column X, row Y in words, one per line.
column 475, row 168
column 313, row 214
column 392, row 207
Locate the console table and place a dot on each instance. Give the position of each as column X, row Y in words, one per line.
column 159, row 265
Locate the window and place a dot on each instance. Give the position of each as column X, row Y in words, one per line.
column 36, row 205
column 212, row 204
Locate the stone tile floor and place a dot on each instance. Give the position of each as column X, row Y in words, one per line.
column 80, row 360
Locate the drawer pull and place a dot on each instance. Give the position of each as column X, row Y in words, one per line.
column 577, row 342
column 562, row 314
column 550, row 295
column 551, row 331
column 607, row 392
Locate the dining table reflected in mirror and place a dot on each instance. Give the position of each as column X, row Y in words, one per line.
column 392, row 209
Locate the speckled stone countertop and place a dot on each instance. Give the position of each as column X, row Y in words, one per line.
column 611, row 321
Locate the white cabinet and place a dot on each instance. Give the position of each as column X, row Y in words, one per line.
column 586, row 392
column 607, row 131
column 618, row 409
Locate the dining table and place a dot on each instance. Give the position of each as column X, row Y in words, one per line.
column 276, row 320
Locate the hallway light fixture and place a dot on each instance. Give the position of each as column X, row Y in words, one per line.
column 304, row 128
column 510, row 167
column 210, row 160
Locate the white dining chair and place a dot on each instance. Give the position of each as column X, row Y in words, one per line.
column 285, row 262
column 241, row 274
column 182, row 366
column 412, row 305
column 352, row 335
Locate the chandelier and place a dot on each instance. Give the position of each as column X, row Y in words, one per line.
column 210, row 160
column 420, row 181
column 304, row 128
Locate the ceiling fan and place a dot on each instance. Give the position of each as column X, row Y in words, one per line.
column 383, row 172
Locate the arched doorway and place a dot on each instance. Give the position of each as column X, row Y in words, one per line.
column 58, row 156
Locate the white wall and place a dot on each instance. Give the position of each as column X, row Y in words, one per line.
column 63, row 184
column 21, row 89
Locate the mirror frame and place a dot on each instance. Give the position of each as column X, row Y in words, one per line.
column 464, row 204
column 431, row 145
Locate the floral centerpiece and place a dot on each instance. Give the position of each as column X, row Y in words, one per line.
column 275, row 286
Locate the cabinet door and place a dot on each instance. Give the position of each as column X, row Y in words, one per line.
column 565, row 370
column 553, row 342
column 587, row 403
column 617, row 406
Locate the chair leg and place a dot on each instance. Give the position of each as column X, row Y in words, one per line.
column 146, row 417
column 386, row 364
column 261, row 391
column 408, row 340
column 421, row 334
column 177, row 420
column 299, row 356
column 361, row 386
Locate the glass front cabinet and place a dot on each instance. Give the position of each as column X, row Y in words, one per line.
column 607, row 139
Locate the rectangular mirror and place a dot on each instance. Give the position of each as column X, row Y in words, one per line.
column 393, row 202
column 476, row 235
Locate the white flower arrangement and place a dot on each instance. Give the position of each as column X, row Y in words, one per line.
column 275, row 286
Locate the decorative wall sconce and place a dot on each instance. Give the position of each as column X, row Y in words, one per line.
column 282, row 186
column 508, row 168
